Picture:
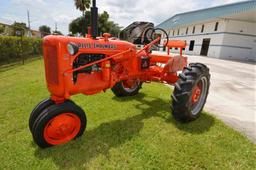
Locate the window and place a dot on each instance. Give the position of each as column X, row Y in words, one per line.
column 191, row 45
column 178, row 32
column 194, row 30
column 216, row 26
column 202, row 29
column 173, row 33
column 187, row 31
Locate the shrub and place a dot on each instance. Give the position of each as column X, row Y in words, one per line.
column 17, row 49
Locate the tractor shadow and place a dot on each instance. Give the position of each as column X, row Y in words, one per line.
column 100, row 140
column 158, row 106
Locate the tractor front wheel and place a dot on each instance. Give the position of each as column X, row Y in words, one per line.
column 59, row 124
column 190, row 92
column 37, row 110
column 127, row 87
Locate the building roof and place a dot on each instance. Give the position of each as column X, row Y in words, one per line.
column 207, row 14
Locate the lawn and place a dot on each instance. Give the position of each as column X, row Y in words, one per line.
column 122, row 133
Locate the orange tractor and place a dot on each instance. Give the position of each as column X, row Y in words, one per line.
column 92, row 64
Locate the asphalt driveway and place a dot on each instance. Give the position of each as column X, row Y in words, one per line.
column 232, row 96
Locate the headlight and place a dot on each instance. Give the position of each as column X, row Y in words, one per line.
column 72, row 48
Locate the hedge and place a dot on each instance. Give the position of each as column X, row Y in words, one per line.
column 16, row 49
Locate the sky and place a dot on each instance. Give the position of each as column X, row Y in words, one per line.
column 123, row 12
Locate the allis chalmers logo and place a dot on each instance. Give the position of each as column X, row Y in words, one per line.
column 95, row 45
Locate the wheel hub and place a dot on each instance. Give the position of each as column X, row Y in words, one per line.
column 62, row 128
column 196, row 94
column 129, row 83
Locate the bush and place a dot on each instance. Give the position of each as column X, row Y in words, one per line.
column 16, row 49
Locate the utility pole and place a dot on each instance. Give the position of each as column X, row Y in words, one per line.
column 56, row 26
column 29, row 29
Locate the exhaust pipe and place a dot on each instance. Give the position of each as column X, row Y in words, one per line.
column 94, row 19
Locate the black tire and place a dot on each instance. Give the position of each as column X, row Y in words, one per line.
column 184, row 108
column 51, row 112
column 120, row 91
column 37, row 110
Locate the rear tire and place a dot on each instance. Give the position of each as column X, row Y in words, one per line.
column 122, row 88
column 58, row 124
column 190, row 92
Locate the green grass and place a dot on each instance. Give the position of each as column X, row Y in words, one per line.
column 129, row 133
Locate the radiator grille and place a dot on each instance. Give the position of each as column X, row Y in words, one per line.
column 51, row 65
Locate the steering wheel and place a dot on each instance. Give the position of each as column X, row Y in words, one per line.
column 160, row 29
column 147, row 37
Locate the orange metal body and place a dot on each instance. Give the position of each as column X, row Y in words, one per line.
column 177, row 44
column 122, row 62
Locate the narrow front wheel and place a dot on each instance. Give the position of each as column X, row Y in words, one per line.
column 37, row 110
column 59, row 124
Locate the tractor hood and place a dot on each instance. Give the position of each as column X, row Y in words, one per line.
column 100, row 45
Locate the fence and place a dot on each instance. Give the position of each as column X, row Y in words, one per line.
column 14, row 49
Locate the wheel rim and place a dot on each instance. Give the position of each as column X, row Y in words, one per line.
column 199, row 94
column 62, row 128
column 130, row 85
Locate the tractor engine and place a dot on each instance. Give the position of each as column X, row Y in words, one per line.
column 66, row 57
column 83, row 59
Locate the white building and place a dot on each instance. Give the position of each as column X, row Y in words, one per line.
column 227, row 32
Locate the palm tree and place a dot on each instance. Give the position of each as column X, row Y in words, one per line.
column 82, row 5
